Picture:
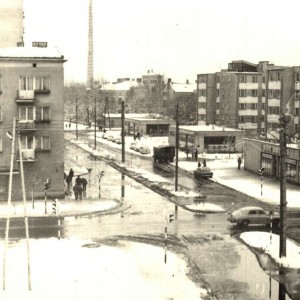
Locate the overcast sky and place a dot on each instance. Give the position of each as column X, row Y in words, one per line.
column 178, row 39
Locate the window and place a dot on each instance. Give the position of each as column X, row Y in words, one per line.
column 202, row 105
column 253, row 106
column 202, row 93
column 26, row 113
column 0, row 83
column 0, row 143
column 218, row 92
column 34, row 83
column 297, row 94
column 271, row 77
column 0, row 113
column 217, row 105
column 242, row 106
column 278, row 76
column 218, row 79
column 42, row 113
column 42, row 142
column 254, row 92
column 153, row 89
column 254, row 79
column 242, row 93
column 27, row 142
column 263, row 79
column 273, row 110
column 297, row 78
column 202, row 79
column 263, row 93
column 243, row 79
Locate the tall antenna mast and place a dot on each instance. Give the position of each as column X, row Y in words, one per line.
column 90, row 68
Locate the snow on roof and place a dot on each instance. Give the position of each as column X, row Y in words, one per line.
column 122, row 86
column 127, row 115
column 184, row 87
column 198, row 128
column 30, row 52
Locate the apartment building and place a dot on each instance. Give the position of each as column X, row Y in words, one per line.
column 31, row 89
column 249, row 96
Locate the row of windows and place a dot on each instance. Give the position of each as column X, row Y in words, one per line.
column 248, row 93
column 247, row 119
column 35, row 142
column 274, row 94
column 29, row 83
column 245, row 106
column 245, row 79
column 274, row 76
column 32, row 142
column 273, row 110
column 202, row 93
column 34, row 113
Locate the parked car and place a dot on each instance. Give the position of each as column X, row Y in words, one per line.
column 203, row 172
column 132, row 145
column 144, row 149
column 118, row 140
column 253, row 215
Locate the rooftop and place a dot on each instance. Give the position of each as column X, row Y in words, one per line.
column 199, row 128
column 30, row 52
column 184, row 87
column 121, row 86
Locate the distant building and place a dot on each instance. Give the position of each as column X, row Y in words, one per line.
column 31, row 89
column 11, row 23
column 249, row 96
column 183, row 94
column 208, row 138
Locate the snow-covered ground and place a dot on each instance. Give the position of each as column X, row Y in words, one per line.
column 269, row 244
column 77, row 269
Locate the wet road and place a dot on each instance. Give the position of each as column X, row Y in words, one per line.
column 145, row 216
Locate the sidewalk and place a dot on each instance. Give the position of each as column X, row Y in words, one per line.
column 66, row 208
column 226, row 173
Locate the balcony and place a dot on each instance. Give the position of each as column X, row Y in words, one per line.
column 25, row 96
column 26, row 126
column 28, row 155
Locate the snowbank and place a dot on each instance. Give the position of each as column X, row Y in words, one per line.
column 263, row 241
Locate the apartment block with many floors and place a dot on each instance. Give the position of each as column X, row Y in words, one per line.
column 31, row 89
column 249, row 96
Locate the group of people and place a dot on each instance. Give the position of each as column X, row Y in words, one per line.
column 203, row 163
column 194, row 153
column 79, row 188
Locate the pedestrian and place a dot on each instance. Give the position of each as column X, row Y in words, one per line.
column 66, row 126
column 69, row 125
column 138, row 135
column 187, row 153
column 84, row 183
column 239, row 162
column 69, row 184
column 204, row 163
column 199, row 164
column 76, row 191
column 71, row 173
column 78, row 180
column 80, row 192
column 196, row 154
column 193, row 154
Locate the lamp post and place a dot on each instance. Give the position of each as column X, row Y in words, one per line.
column 176, row 154
column 76, row 110
column 95, row 127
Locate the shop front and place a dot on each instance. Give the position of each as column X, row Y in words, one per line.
column 261, row 154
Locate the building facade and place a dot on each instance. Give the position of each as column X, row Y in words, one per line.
column 249, row 96
column 260, row 154
column 31, row 89
column 11, row 23
column 185, row 95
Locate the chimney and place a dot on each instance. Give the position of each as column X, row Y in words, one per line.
column 148, row 71
column 187, row 81
column 169, row 80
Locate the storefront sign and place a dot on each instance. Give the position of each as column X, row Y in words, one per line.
column 270, row 149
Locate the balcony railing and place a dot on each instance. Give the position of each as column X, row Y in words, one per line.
column 26, row 126
column 28, row 155
column 25, row 96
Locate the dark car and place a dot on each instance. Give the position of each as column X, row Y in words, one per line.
column 163, row 154
column 253, row 215
column 203, row 172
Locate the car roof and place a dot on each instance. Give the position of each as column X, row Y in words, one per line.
column 251, row 208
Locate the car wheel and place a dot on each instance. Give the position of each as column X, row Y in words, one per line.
column 245, row 223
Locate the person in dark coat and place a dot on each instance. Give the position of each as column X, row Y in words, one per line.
column 199, row 164
column 204, row 163
column 196, row 154
column 84, row 183
column 239, row 162
column 78, row 180
column 76, row 191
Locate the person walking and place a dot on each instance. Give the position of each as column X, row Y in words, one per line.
column 204, row 163
column 239, row 162
column 79, row 192
column 76, row 191
column 196, row 154
column 78, row 180
column 84, row 184
column 199, row 164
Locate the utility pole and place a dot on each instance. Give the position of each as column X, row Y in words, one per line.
column 76, row 119
column 283, row 120
column 95, row 120
column 122, row 132
column 176, row 155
